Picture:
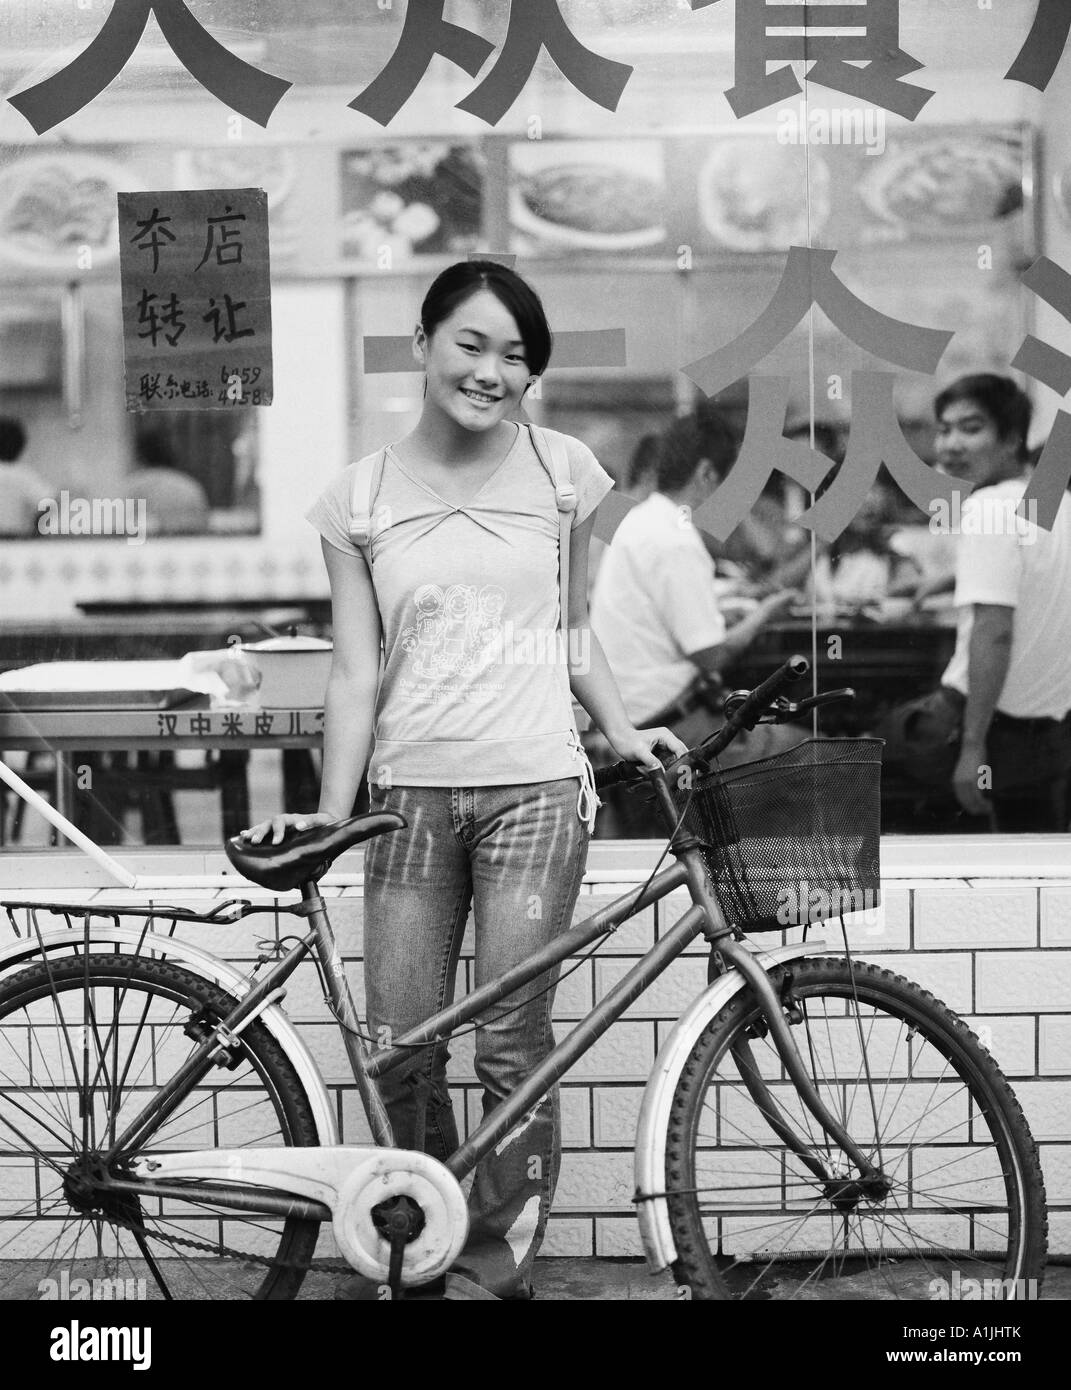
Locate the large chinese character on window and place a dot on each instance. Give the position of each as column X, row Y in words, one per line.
column 833, row 38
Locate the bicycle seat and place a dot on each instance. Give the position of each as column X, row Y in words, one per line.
column 306, row 854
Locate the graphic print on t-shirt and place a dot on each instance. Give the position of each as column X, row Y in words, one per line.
column 454, row 632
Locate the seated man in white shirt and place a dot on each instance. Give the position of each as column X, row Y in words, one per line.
column 656, row 606
column 1011, row 670
column 23, row 494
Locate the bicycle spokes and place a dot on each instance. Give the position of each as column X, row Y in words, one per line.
column 775, row 1208
column 85, row 1046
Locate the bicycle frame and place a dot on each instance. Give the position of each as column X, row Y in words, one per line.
column 367, row 1193
column 368, row 1065
column 704, row 917
column 373, row 1197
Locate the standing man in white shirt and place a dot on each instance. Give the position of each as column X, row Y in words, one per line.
column 656, row 606
column 1011, row 670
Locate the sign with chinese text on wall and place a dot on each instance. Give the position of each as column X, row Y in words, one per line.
column 196, row 286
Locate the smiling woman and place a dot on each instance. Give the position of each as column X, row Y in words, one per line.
column 477, row 370
column 468, row 734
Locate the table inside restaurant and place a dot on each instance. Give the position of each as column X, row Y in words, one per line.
column 129, row 632
column 74, row 725
column 884, row 662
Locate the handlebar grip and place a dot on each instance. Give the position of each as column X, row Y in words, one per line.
column 794, row 669
column 623, row 771
column 757, row 702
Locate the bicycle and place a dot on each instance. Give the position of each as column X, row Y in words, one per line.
column 812, row 1123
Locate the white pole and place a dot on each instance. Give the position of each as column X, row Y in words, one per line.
column 20, row 788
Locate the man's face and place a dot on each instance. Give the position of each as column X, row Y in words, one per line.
column 969, row 445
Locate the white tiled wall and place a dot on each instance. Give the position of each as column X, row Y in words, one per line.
column 996, row 948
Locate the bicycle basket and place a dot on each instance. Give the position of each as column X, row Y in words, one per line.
column 793, row 838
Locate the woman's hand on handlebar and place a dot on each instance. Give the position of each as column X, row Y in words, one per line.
column 638, row 745
column 278, row 826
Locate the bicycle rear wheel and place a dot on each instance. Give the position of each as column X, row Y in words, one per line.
column 958, row 1209
column 85, row 1042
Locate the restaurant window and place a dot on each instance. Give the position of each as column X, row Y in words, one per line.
column 200, row 468
column 814, row 262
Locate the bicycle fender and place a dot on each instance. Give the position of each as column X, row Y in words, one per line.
column 208, row 967
column 650, row 1156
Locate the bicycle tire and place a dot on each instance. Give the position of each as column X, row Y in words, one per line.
column 966, row 1198
column 130, row 1012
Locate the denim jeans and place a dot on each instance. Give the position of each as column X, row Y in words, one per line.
column 517, row 855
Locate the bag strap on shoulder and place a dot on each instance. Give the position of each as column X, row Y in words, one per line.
column 364, row 485
column 553, row 455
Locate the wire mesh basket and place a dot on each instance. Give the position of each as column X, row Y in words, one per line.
column 793, row 838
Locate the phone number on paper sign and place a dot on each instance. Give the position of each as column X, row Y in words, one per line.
column 238, row 387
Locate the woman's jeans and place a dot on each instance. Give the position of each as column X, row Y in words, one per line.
column 517, row 855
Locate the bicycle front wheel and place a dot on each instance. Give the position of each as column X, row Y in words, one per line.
column 763, row 1204
column 85, row 1043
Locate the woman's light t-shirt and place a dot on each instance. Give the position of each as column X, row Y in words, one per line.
column 475, row 685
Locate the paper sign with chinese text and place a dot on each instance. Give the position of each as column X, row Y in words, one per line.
column 196, row 284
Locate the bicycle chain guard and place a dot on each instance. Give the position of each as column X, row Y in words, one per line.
column 353, row 1182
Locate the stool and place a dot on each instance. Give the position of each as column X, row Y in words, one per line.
column 149, row 785
column 39, row 773
column 301, row 781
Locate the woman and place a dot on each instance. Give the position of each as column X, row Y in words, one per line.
column 466, row 736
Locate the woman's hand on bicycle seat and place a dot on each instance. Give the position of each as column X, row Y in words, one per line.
column 638, row 745
column 278, row 826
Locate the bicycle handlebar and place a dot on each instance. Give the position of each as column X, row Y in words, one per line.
column 744, row 717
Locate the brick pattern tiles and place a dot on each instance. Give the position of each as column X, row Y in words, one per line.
column 1001, row 956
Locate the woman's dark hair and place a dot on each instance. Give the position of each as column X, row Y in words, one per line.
column 1006, row 404
column 464, row 279
column 705, row 434
column 12, row 438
